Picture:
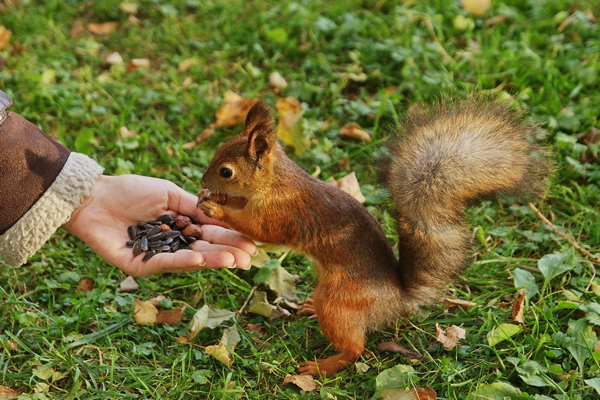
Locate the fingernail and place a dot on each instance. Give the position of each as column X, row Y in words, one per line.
column 202, row 264
column 233, row 266
column 255, row 253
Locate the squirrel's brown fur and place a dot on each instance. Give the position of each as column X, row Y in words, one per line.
column 446, row 156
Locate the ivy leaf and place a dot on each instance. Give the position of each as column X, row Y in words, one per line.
column 501, row 333
column 552, row 265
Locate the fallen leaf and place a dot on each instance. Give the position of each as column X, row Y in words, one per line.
column 456, row 303
column 4, row 37
column 144, row 312
column 77, row 29
column 426, row 393
column 170, row 317
column 289, row 129
column 154, row 301
column 277, row 81
column 259, row 305
column 208, row 132
column 9, row 344
column 304, row 382
column 102, row 29
column 476, row 7
column 565, row 23
column 85, row 285
column 225, row 350
column 41, row 387
column 349, row 184
column 136, row 63
column 390, row 90
column 186, row 82
column 495, row 20
column 501, row 333
column 361, row 368
column 260, row 259
column 355, row 132
column 449, row 337
column 182, row 340
column 517, row 309
column 590, row 15
column 234, row 111
column 396, row 348
column 8, row 393
column 186, row 64
column 129, row 8
column 128, row 285
column 255, row 328
column 113, row 58
column 208, row 317
column 125, row 133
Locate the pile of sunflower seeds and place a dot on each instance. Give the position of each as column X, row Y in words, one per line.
column 166, row 234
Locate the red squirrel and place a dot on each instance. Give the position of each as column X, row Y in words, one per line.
column 445, row 156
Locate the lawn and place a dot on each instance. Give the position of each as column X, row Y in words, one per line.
column 345, row 61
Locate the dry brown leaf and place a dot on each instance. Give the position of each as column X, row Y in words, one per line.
column 9, row 344
column 155, row 300
column 426, row 393
column 234, row 111
column 125, row 133
column 4, row 37
column 450, row 337
column 113, row 58
column 396, row 348
column 170, row 317
column 255, row 328
column 590, row 15
column 85, row 285
column 289, row 128
column 144, row 312
column 102, row 29
column 182, row 340
column 476, row 7
column 77, row 29
column 186, row 82
column 456, row 303
column 517, row 309
column 597, row 346
column 129, row 8
column 355, row 132
column 349, row 184
column 136, row 63
column 186, row 64
column 495, row 20
column 277, row 81
column 128, row 285
column 8, row 393
column 304, row 382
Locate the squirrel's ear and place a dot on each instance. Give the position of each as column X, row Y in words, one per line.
column 259, row 114
column 260, row 131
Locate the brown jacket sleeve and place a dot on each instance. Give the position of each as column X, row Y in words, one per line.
column 29, row 164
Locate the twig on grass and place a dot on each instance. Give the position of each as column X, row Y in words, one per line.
column 595, row 259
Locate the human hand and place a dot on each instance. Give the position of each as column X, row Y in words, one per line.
column 115, row 202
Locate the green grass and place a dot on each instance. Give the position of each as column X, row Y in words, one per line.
column 90, row 340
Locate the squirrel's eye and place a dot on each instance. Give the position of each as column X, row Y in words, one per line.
column 226, row 172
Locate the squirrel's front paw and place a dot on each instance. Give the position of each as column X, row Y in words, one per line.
column 212, row 209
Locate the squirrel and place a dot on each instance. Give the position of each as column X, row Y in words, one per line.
column 445, row 156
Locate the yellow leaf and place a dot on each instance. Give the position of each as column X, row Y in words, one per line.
column 225, row 350
column 289, row 129
column 102, row 29
column 355, row 132
column 4, row 37
column 234, row 111
column 144, row 312
column 129, row 8
column 476, row 7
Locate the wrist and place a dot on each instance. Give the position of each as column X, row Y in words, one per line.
column 98, row 187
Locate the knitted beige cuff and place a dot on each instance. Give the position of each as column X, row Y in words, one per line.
column 52, row 210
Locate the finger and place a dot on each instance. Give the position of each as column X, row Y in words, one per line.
column 181, row 261
column 227, row 256
column 219, row 235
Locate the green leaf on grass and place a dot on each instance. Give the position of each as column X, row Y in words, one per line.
column 84, row 142
column 393, row 381
column 208, row 316
column 497, row 391
column 552, row 265
column 501, row 333
column 595, row 383
column 525, row 280
column 281, row 282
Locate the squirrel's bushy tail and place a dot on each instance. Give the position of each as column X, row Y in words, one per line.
column 446, row 156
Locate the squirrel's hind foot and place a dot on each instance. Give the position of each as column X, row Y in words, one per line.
column 307, row 307
column 327, row 366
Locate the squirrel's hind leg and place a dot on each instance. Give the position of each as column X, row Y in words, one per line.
column 341, row 317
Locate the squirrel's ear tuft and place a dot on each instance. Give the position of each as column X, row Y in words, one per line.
column 259, row 114
column 260, row 131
